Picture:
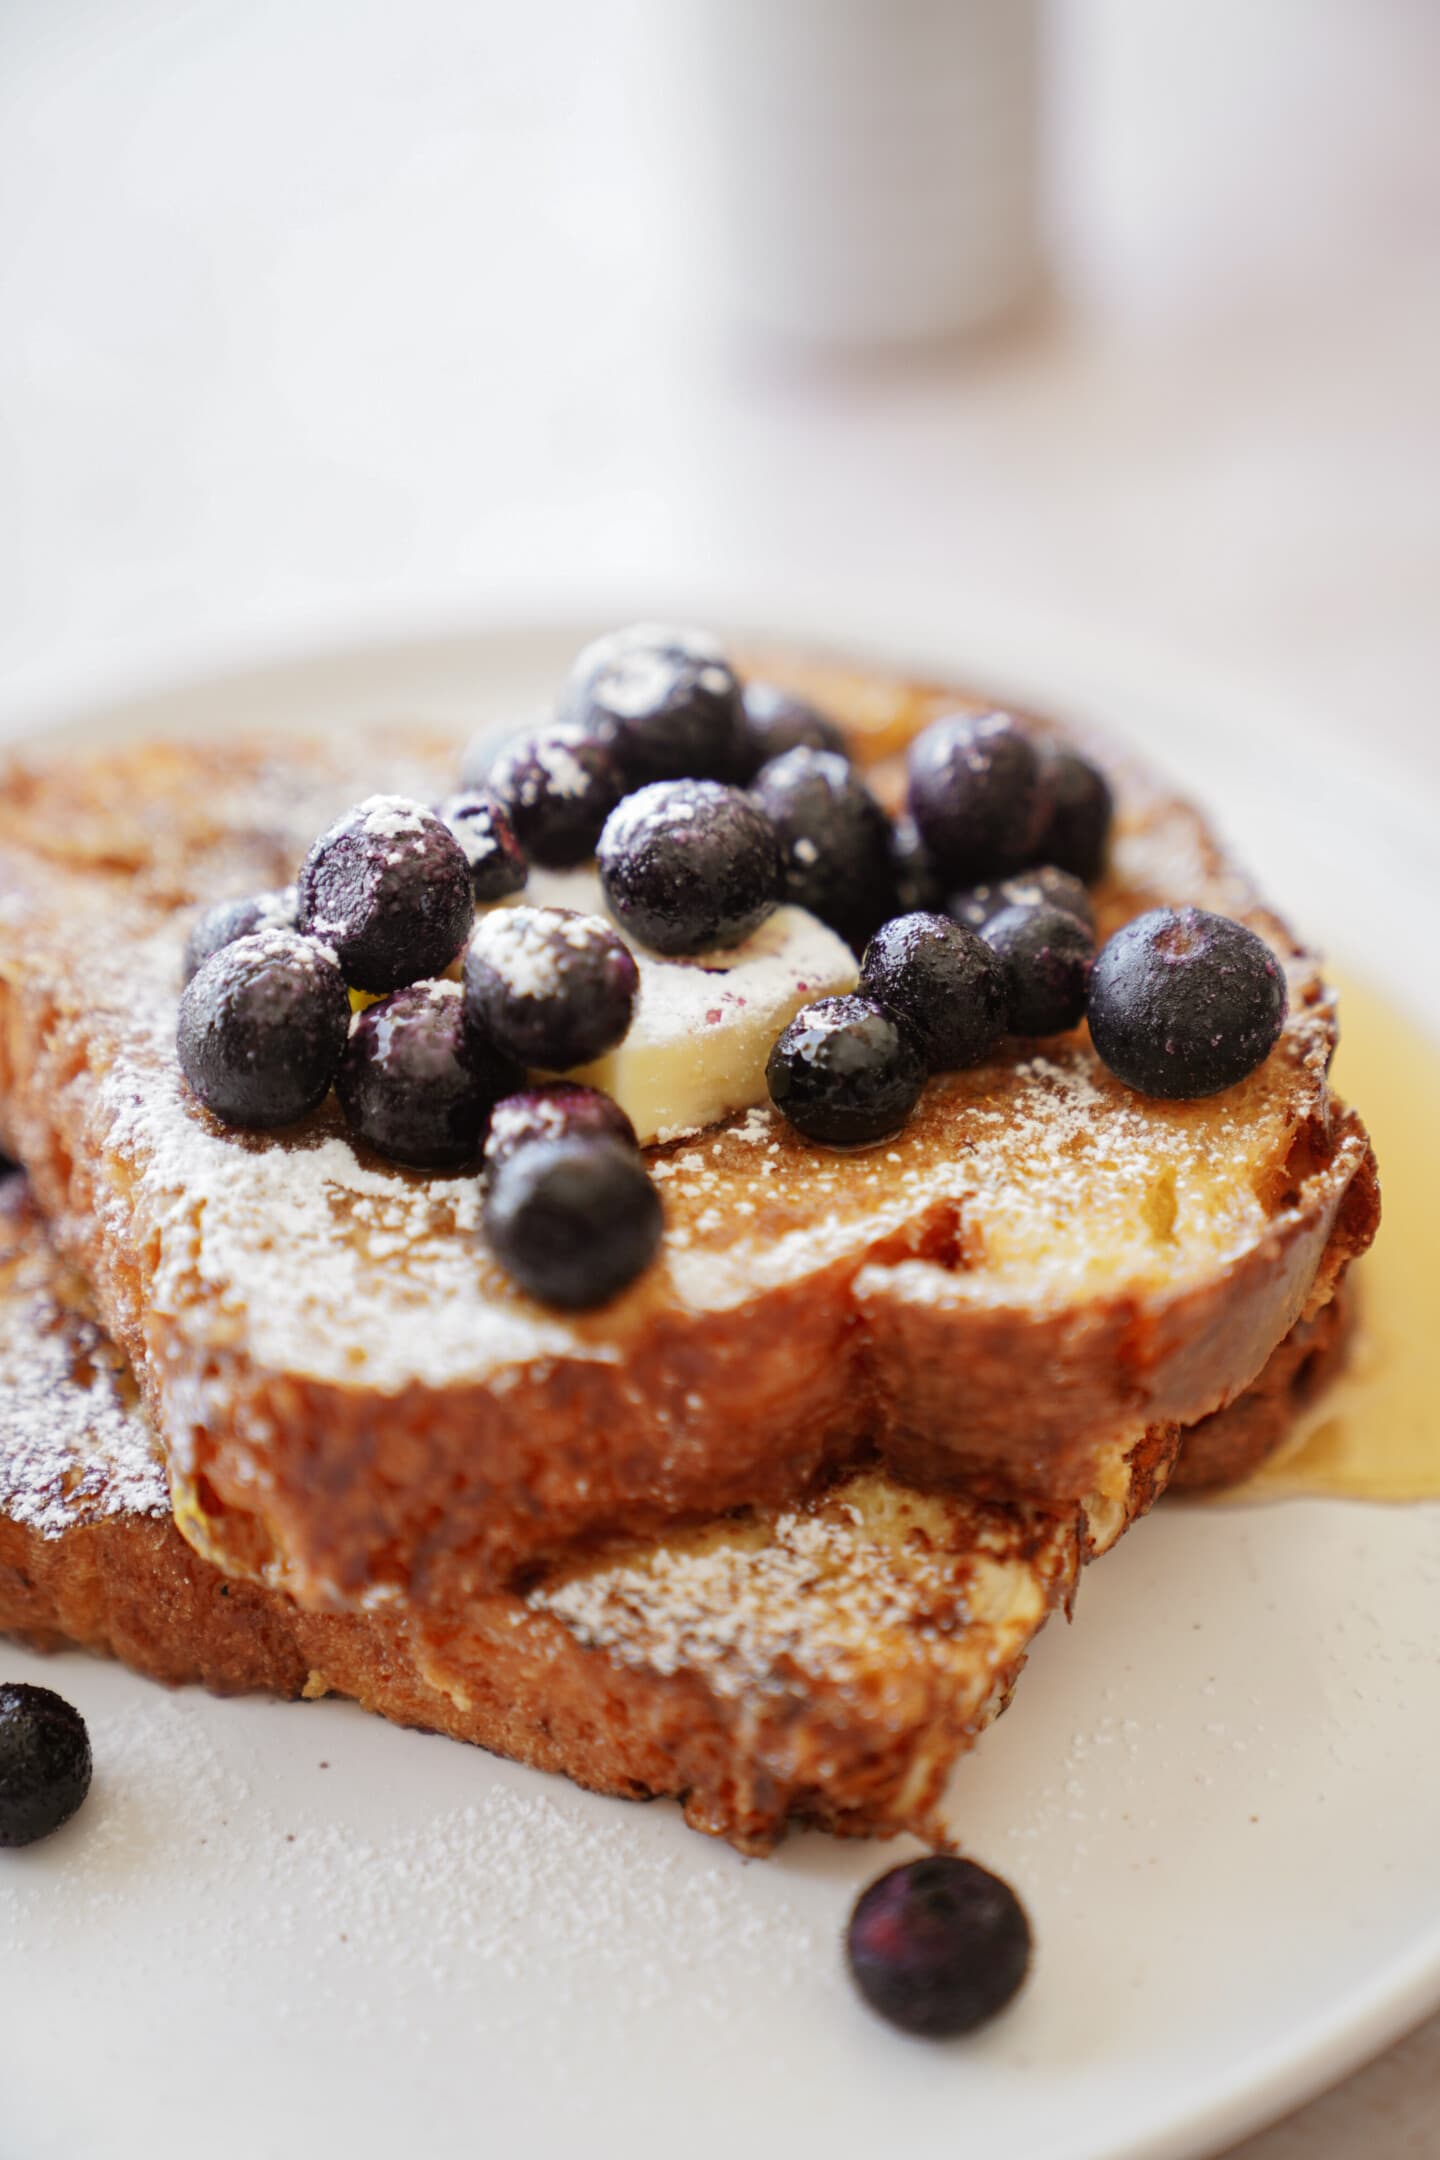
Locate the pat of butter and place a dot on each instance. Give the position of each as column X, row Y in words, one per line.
column 703, row 1028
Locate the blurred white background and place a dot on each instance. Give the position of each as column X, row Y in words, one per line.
column 323, row 318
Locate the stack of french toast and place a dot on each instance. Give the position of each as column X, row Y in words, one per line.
column 715, row 1383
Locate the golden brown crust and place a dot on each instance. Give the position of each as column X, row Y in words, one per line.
column 1228, row 1446
column 904, row 1327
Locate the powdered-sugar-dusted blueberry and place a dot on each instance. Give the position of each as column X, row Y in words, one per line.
column 689, row 865
column 834, row 840
column 1047, row 954
column 549, row 987
column 1046, row 886
column 388, row 888
column 262, row 1024
column 553, row 1110
column 946, row 985
column 417, row 1082
column 480, row 823
column 231, row 919
column 846, row 1072
column 664, row 699
column 975, row 793
column 558, row 785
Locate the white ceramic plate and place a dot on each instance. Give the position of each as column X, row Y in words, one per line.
column 278, row 1930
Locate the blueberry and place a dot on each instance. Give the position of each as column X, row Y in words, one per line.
column 666, row 701
column 559, row 786
column 845, row 1072
column 946, row 985
column 480, row 823
column 44, row 1762
column 573, row 1220
column 834, row 840
column 231, row 919
column 916, row 885
column 975, row 793
column 774, row 721
column 938, row 1946
column 549, row 987
column 553, row 1110
column 1047, row 954
column 688, row 865
column 1046, row 886
column 261, row 1028
column 1081, row 807
column 388, row 888
column 416, row 1082
column 1185, row 1004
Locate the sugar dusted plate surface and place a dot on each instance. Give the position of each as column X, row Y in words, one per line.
column 306, row 1931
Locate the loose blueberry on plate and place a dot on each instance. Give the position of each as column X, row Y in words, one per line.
column 478, row 819
column 44, row 1762
column 549, row 987
column 1082, row 807
column 834, row 840
column 559, row 785
column 947, row 986
column 976, row 794
column 1045, row 886
column 231, row 919
column 261, row 1028
column 775, row 721
column 554, row 1110
column 665, row 700
column 573, row 1221
column 845, row 1072
column 417, row 1082
column 388, row 889
column 1185, row 1003
column 689, row 865
column 1047, row 954
column 917, row 888
column 938, row 1946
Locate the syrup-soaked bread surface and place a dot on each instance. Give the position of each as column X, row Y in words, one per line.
column 826, row 1663
column 354, row 1400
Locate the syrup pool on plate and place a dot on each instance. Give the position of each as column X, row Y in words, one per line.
column 1375, row 1433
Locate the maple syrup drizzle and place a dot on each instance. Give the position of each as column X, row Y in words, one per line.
column 1375, row 1434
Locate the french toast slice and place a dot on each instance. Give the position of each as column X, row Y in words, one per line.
column 825, row 1663
column 1041, row 1271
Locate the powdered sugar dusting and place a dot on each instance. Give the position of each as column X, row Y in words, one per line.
column 521, row 945
column 830, row 1589
column 391, row 817
column 548, row 766
column 74, row 1447
column 292, row 1252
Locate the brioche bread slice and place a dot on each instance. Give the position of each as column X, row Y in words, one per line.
column 825, row 1663
column 1042, row 1270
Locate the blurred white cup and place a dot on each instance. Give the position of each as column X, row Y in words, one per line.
column 848, row 173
